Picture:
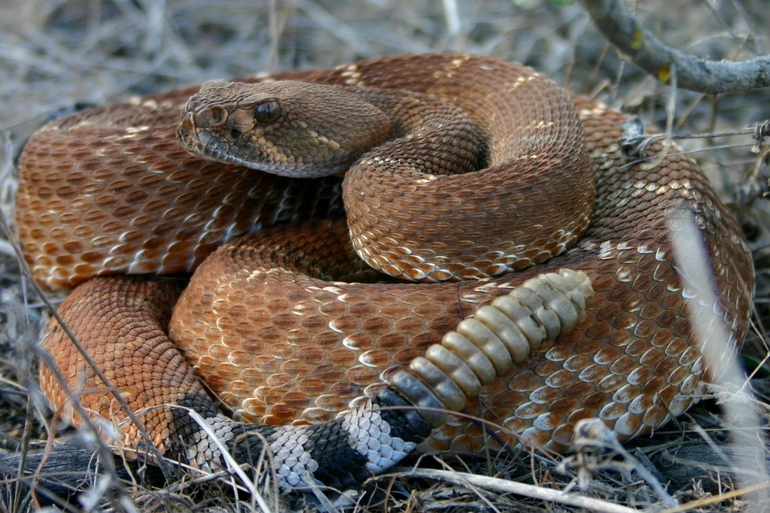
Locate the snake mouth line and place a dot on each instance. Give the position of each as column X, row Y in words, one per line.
column 208, row 150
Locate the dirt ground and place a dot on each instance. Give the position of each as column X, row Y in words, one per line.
column 60, row 55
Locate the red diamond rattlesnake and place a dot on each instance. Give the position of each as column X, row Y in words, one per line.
column 110, row 190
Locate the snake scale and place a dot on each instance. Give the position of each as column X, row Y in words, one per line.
column 470, row 173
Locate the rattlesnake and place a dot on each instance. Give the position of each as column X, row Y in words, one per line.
column 110, row 190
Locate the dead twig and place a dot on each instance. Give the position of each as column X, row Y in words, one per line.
column 619, row 26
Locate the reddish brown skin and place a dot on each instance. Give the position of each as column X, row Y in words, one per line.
column 284, row 348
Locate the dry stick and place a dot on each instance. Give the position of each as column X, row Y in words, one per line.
column 670, row 115
column 451, row 17
column 592, row 433
column 717, row 345
column 634, row 141
column 25, row 438
column 527, row 490
column 474, row 489
column 232, row 465
column 713, row 499
column 277, row 26
column 619, row 26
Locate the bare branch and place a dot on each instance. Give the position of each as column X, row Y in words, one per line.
column 648, row 52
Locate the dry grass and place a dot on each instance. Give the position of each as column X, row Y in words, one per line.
column 58, row 54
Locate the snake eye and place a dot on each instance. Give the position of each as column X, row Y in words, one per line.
column 267, row 112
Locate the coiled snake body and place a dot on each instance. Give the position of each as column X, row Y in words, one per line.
column 111, row 190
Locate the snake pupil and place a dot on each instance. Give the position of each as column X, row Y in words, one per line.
column 267, row 112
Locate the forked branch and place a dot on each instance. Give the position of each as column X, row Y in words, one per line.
column 619, row 26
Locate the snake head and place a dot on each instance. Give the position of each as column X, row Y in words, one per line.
column 287, row 128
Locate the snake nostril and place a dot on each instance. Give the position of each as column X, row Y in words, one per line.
column 235, row 133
